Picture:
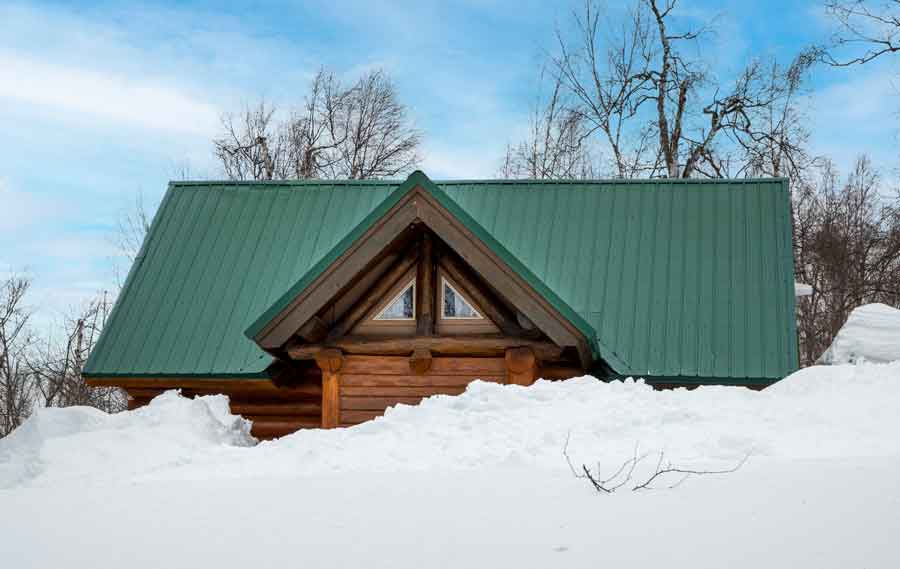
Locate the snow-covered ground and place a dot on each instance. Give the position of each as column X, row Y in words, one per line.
column 477, row 480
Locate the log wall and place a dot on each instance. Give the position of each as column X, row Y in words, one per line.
column 275, row 409
column 371, row 384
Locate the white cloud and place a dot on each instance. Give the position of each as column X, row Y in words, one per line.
column 857, row 114
column 103, row 95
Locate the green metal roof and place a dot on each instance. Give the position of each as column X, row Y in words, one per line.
column 668, row 278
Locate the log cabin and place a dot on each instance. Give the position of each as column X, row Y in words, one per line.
column 322, row 303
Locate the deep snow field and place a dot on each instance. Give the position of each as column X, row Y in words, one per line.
column 477, row 480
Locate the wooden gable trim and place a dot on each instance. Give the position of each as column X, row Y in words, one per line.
column 507, row 282
column 340, row 274
column 419, row 205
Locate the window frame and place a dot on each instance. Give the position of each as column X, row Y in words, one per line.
column 445, row 282
column 411, row 284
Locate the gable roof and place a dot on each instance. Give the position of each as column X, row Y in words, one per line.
column 668, row 278
column 418, row 199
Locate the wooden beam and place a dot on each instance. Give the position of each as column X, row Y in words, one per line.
column 372, row 297
column 329, row 361
column 489, row 306
column 262, row 409
column 425, row 289
column 183, row 382
column 314, row 330
column 497, row 272
column 480, row 345
column 362, row 253
column 521, row 366
column 420, row 361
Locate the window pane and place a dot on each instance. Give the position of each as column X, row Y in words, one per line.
column 455, row 306
column 402, row 308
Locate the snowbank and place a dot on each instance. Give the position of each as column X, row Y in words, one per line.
column 820, row 412
column 82, row 444
column 470, row 481
column 871, row 334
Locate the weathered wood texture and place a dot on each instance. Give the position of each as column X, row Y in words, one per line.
column 420, row 361
column 473, row 345
column 330, row 362
column 521, row 366
column 275, row 410
column 425, row 290
column 557, row 372
column 377, row 294
column 371, row 384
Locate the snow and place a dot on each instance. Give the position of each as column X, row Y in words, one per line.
column 471, row 481
column 77, row 443
column 871, row 334
column 802, row 289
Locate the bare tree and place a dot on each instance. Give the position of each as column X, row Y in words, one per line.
column 864, row 30
column 16, row 387
column 358, row 132
column 57, row 366
column 251, row 147
column 379, row 141
column 660, row 112
column 132, row 227
column 847, row 246
column 556, row 145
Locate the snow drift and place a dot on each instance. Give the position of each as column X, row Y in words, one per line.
column 82, row 444
column 871, row 334
column 820, row 412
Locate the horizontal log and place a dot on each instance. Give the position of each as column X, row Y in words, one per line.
column 136, row 403
column 310, row 408
column 430, row 380
column 399, row 365
column 356, row 417
column 375, row 403
column 474, row 345
column 272, row 429
column 560, row 372
column 300, row 419
column 300, row 392
column 400, row 391
column 172, row 382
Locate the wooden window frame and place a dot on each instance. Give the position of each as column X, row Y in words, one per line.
column 478, row 315
column 411, row 283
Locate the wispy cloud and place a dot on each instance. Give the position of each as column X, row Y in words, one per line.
column 103, row 95
column 857, row 114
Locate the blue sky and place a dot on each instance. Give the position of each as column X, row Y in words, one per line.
column 102, row 101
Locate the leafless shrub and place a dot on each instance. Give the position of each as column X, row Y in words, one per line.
column 624, row 474
column 57, row 366
column 357, row 132
column 16, row 386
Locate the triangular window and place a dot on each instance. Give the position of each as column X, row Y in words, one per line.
column 402, row 306
column 454, row 305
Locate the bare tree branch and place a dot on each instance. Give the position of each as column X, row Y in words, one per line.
column 358, row 132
